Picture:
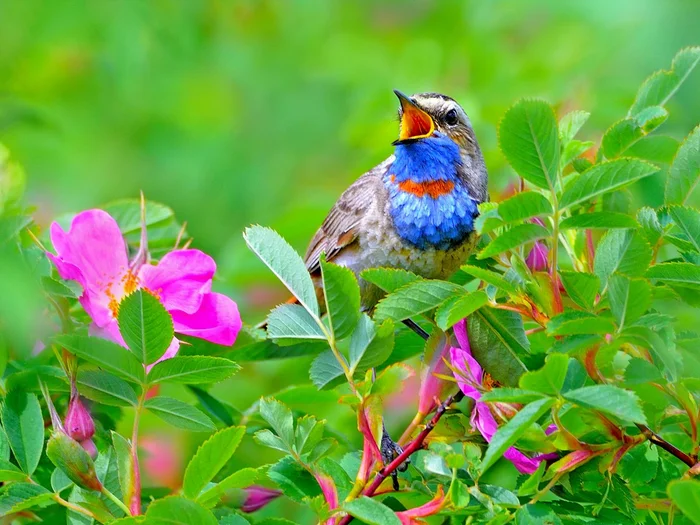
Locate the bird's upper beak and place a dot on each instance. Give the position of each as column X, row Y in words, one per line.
column 415, row 123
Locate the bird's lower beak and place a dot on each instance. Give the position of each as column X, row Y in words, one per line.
column 415, row 123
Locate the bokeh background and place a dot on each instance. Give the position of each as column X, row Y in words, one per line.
column 262, row 111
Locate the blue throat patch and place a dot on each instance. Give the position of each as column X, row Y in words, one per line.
column 429, row 203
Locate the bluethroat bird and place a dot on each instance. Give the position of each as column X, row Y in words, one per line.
column 414, row 211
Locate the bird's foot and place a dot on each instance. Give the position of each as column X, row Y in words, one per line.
column 390, row 450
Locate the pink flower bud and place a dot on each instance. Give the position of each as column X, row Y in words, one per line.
column 256, row 497
column 79, row 424
column 537, row 258
column 90, row 448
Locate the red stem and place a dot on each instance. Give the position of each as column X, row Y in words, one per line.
column 412, row 447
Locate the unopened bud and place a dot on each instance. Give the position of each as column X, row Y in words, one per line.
column 256, row 497
column 90, row 447
column 69, row 456
column 537, row 258
column 79, row 424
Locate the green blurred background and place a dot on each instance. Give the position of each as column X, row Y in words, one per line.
column 245, row 112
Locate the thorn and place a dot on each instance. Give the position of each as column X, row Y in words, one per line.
column 180, row 234
column 36, row 240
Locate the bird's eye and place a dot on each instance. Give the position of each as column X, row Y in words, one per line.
column 451, row 117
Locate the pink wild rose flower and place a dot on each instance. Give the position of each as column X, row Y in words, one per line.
column 470, row 378
column 94, row 254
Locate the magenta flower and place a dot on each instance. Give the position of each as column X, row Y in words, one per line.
column 410, row 516
column 470, row 378
column 256, row 497
column 94, row 254
column 537, row 259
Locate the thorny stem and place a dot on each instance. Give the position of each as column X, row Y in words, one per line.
column 412, row 447
column 668, row 447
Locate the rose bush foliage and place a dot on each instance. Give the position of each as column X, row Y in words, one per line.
column 559, row 382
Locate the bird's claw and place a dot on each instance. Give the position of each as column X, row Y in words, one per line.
column 390, row 450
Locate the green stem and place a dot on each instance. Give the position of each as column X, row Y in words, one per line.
column 554, row 269
column 72, row 506
column 119, row 503
column 135, row 496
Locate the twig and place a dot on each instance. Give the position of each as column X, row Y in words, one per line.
column 661, row 442
column 416, row 328
column 412, row 447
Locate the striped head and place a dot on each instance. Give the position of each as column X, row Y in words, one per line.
column 438, row 176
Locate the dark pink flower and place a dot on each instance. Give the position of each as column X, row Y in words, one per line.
column 78, row 423
column 94, row 254
column 409, row 517
column 256, row 497
column 537, row 259
column 470, row 378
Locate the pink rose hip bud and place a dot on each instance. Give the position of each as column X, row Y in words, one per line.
column 78, row 423
column 256, row 497
column 537, row 259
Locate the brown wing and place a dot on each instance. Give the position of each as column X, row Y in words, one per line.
column 340, row 228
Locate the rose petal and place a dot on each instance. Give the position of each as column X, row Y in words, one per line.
column 216, row 321
column 170, row 352
column 180, row 279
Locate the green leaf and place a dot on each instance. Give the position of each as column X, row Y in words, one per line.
column 127, row 213
column 389, row 279
column 649, row 221
column 290, row 323
column 620, row 136
column 509, row 433
column 688, row 220
column 660, row 87
column 175, row 510
column 415, row 298
column 511, row 395
column 21, row 496
column 371, row 511
column 210, row 458
column 8, row 472
column 490, row 277
column 624, row 252
column 524, row 205
column 530, row 141
column 342, row 296
column 24, row 426
column 370, row 344
column 106, row 388
column 550, row 378
column 145, row 325
column 193, row 369
column 497, row 339
column 686, row 495
column 654, row 148
column 514, row 237
column 458, row 307
column 684, row 173
column 239, row 479
column 325, row 370
column 125, row 466
column 581, row 287
column 105, row 354
column 598, row 220
column 576, row 322
column 603, row 178
column 680, row 273
column 629, row 299
column 285, row 263
column 279, row 417
column 570, row 124
column 536, row 514
column 662, row 349
column 179, row 414
column 610, row 399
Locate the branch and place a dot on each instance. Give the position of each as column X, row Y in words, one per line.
column 661, row 442
column 412, row 447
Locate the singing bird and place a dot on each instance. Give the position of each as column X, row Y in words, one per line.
column 415, row 210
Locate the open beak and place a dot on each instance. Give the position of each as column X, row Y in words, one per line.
column 415, row 123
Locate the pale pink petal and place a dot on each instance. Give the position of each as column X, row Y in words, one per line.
column 216, row 321
column 170, row 352
column 180, row 279
column 109, row 331
column 467, row 372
